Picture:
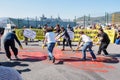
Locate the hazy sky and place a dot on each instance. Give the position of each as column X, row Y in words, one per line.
column 66, row 9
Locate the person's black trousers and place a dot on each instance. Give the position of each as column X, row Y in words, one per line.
column 69, row 42
column 103, row 47
column 7, row 45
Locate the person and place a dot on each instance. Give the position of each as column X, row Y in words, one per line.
column 70, row 32
column 66, row 38
column 104, row 41
column 45, row 29
column 117, row 40
column 87, row 43
column 50, row 39
column 7, row 73
column 25, row 38
column 9, row 42
column 57, row 31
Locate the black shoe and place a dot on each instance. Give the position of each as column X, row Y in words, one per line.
column 17, row 58
column 62, row 49
column 82, row 59
column 50, row 59
column 0, row 64
column 10, row 60
column 53, row 59
column 60, row 62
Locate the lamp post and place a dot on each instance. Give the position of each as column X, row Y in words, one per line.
column 28, row 21
column 36, row 21
column 84, row 21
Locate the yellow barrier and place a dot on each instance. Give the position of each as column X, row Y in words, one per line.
column 91, row 33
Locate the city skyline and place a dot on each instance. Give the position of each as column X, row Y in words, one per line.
column 66, row 9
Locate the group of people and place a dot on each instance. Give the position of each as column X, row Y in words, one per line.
column 51, row 38
column 85, row 41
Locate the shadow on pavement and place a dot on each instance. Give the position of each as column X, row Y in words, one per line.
column 12, row 64
column 71, row 59
column 24, row 70
column 33, row 58
column 61, row 62
column 114, row 55
column 107, row 59
column 99, row 59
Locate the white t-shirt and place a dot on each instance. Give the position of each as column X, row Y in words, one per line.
column 86, row 38
column 50, row 37
column 7, row 73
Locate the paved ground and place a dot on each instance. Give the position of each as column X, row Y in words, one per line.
column 35, row 66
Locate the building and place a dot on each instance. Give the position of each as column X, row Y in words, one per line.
column 36, row 22
column 116, row 18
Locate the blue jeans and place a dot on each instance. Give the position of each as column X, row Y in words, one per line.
column 50, row 47
column 87, row 45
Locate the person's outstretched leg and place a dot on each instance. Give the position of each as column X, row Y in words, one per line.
column 91, row 51
column 14, row 49
column 7, row 51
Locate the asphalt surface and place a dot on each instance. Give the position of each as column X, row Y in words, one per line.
column 34, row 65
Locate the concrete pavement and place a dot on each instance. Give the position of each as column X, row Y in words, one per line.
column 34, row 64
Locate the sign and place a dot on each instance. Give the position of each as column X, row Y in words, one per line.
column 29, row 33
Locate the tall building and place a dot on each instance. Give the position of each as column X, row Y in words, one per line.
column 116, row 18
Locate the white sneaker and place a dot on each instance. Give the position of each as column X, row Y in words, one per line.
column 9, row 59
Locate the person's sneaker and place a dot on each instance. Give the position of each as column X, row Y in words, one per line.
column 60, row 62
column 94, row 59
column 16, row 57
column 9, row 59
column 82, row 59
column 62, row 49
column 49, row 58
column 72, row 50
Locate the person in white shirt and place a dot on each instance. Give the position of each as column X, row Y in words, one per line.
column 50, row 39
column 86, row 42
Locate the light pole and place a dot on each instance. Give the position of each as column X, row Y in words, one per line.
column 28, row 21
column 84, row 21
column 36, row 21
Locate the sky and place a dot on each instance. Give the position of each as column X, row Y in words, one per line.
column 66, row 9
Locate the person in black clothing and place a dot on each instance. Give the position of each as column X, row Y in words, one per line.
column 9, row 42
column 57, row 32
column 66, row 38
column 104, row 41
